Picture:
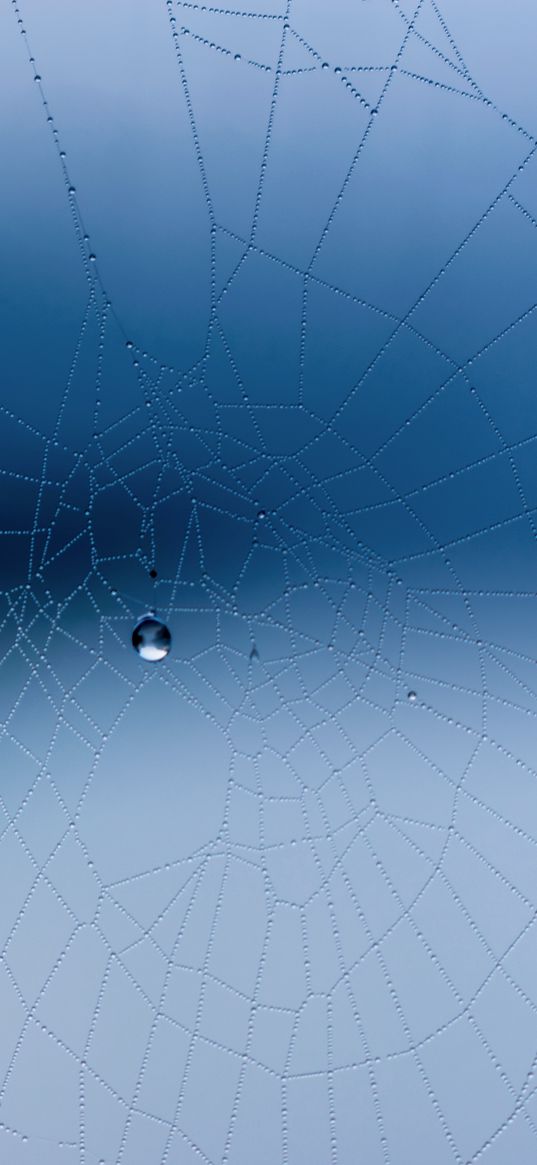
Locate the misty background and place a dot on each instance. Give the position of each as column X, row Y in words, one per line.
column 268, row 336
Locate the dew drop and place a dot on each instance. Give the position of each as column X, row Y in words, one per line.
column 261, row 514
column 412, row 697
column 151, row 639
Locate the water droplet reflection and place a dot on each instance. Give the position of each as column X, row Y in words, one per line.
column 151, row 639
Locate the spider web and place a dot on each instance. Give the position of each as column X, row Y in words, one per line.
column 268, row 354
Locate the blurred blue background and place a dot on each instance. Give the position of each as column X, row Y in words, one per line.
column 268, row 336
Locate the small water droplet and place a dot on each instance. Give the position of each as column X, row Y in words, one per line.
column 92, row 258
column 152, row 572
column 237, row 56
column 412, row 697
column 151, row 639
column 261, row 514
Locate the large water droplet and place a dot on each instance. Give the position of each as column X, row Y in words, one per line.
column 151, row 639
